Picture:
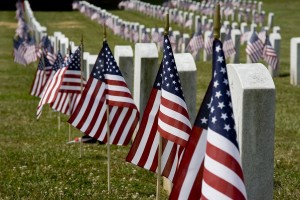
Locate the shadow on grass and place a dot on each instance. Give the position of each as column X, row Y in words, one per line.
column 284, row 74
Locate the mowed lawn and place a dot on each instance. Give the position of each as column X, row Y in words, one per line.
column 36, row 162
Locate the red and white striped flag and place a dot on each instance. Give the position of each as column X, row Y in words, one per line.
column 144, row 149
column 42, row 75
column 52, row 88
column 159, row 118
column 228, row 47
column 269, row 54
column 70, row 89
column 211, row 165
column 106, row 87
column 255, row 48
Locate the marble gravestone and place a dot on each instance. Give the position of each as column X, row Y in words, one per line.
column 275, row 39
column 145, row 70
column 295, row 61
column 124, row 58
column 253, row 99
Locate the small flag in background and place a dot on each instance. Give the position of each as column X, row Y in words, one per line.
column 196, row 42
column 254, row 48
column 208, row 44
column 42, row 74
column 228, row 47
column 19, row 51
column 106, row 87
column 50, row 92
column 71, row 87
column 269, row 54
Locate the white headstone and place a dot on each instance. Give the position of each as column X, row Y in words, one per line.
column 177, row 36
column 275, row 40
column 235, row 25
column 222, row 33
column 206, row 57
column 236, row 38
column 260, row 6
column 64, row 44
column 90, row 62
column 197, row 22
column 270, row 20
column 295, row 61
column 84, row 68
column 186, row 39
column 145, row 70
column 253, row 27
column 124, row 59
column 276, row 29
column 253, row 99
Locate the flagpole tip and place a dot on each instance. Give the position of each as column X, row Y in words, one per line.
column 217, row 22
column 167, row 24
column 104, row 33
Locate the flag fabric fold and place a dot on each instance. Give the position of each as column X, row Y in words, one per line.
column 106, row 87
column 144, row 150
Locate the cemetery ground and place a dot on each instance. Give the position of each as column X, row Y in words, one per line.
column 36, row 162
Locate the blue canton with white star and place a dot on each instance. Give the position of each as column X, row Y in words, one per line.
column 105, row 64
column 41, row 65
column 58, row 62
column 221, row 118
column 74, row 61
column 157, row 82
column 170, row 77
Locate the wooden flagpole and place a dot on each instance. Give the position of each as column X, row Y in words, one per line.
column 70, row 51
column 108, row 132
column 58, row 117
column 217, row 22
column 81, row 83
column 158, row 186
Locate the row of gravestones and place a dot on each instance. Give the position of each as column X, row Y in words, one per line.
column 236, row 33
column 185, row 16
column 253, row 97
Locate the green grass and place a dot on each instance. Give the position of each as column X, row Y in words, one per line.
column 36, row 163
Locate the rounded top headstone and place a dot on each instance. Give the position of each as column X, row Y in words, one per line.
column 251, row 75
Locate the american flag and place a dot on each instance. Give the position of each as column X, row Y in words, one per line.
column 254, row 48
column 52, row 87
column 145, row 37
column 188, row 178
column 106, row 87
column 196, row 42
column 30, row 54
column 71, row 87
column 188, row 23
column 217, row 172
column 19, row 51
column 173, row 118
column 42, row 75
column 155, row 36
column 208, row 43
column 269, row 54
column 144, row 149
column 229, row 48
column 262, row 35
